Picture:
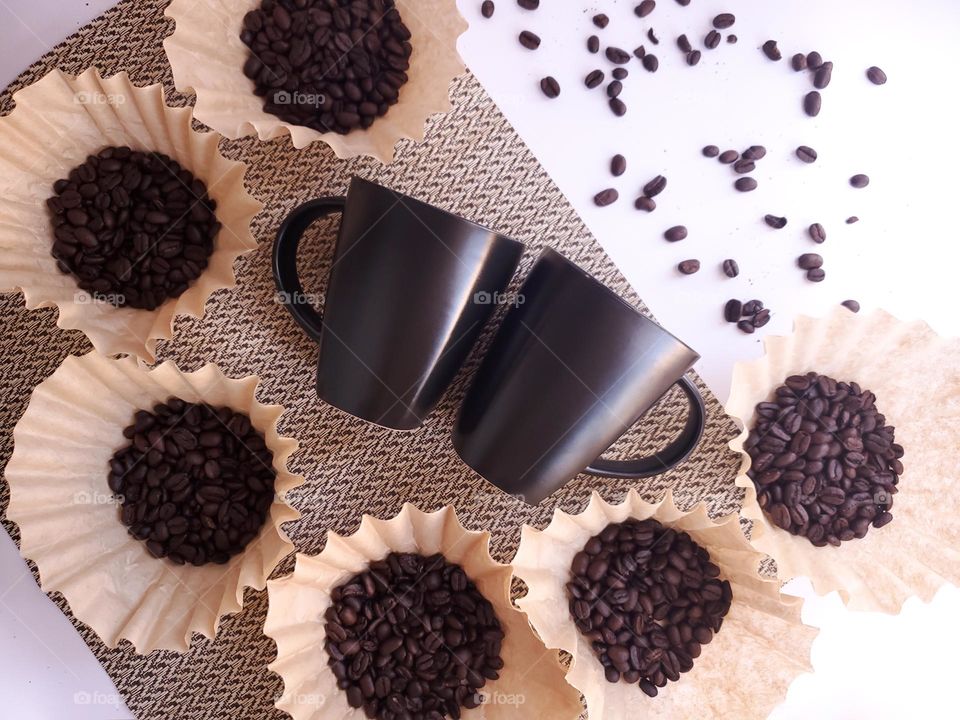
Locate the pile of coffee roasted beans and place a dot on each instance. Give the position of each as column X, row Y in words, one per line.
column 330, row 65
column 647, row 598
column 824, row 460
column 196, row 482
column 749, row 316
column 412, row 637
column 134, row 229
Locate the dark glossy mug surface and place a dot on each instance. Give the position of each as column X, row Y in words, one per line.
column 571, row 369
column 410, row 289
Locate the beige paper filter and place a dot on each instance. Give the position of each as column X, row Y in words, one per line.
column 743, row 673
column 59, row 121
column 915, row 375
column 531, row 682
column 69, row 521
column 207, row 57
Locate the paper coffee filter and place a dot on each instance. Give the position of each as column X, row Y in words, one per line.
column 57, row 122
column 207, row 57
column 69, row 522
column 743, row 673
column 531, row 681
column 915, row 375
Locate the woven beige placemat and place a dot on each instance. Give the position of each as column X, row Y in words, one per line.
column 473, row 163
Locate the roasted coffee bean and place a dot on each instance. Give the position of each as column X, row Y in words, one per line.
column 693, row 58
column 652, row 37
column 859, row 181
column 614, row 89
column 330, row 65
column 822, row 76
column 689, row 267
column 132, row 246
column 728, row 156
column 743, row 166
column 530, row 40
column 593, row 44
column 550, row 87
column 814, row 60
column 676, row 233
column 205, row 505
column 659, row 598
column 529, row 4
column 876, row 75
column 618, row 107
column 640, row 52
column 816, row 275
column 712, row 40
column 807, row 154
column 760, row 319
column 655, row 186
column 732, row 311
column 594, row 79
column 618, row 165
column 808, row 261
column 732, row 39
column 724, row 20
column 852, row 219
column 746, row 326
column 811, row 103
column 601, row 20
column 422, row 639
column 730, row 268
column 752, row 307
column 851, row 305
column 487, row 9
column 618, row 56
column 683, row 42
column 620, row 73
column 646, row 204
column 822, row 454
column 771, row 50
column 606, row 197
column 645, row 8
column 650, row 62
column 777, row 223
column 755, row 152
column 710, row 151
column 745, row 184
column 799, row 62
column 817, row 233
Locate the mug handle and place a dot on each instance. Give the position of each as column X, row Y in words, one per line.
column 285, row 260
column 671, row 456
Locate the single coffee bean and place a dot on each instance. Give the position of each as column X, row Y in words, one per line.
column 876, row 75
column 652, row 37
column 777, row 223
column 487, row 9
column 743, row 166
column 730, row 268
column 693, row 58
column 530, row 40
column 606, row 197
column 618, row 107
column 732, row 39
column 799, row 62
column 710, row 151
column 859, row 181
column 640, row 52
column 724, row 20
column 771, row 50
column 728, row 156
column 822, row 76
column 601, row 20
column 817, row 233
column 655, row 186
column 816, row 275
column 683, row 3
column 645, row 8
column 851, row 305
column 620, row 73
column 529, row 4
column 675, row 233
column 650, row 62
column 594, row 79
column 618, row 165
column 755, row 152
column 808, row 261
column 811, row 103
column 689, row 267
column 550, row 87
column 617, row 55
column 745, row 184
column 852, row 219
column 807, row 154
column 814, row 60
column 733, row 311
column 712, row 40
column 593, row 44
column 683, row 42
column 746, row 326
column 760, row 319
column 752, row 307
column 645, row 203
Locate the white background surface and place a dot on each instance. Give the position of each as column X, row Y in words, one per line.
column 902, row 256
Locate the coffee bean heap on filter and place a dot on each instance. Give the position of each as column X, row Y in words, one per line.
column 196, row 482
column 647, row 598
column 134, row 229
column 330, row 65
column 824, row 460
column 412, row 637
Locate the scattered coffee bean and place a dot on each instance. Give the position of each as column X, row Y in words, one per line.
column 799, row 62
column 745, row 184
column 650, row 62
column 760, row 319
column 689, row 267
column 859, row 181
column 712, row 40
column 851, row 305
column 724, row 20
column 752, row 307
column 652, row 37
column 645, row 8
column 655, row 186
column 606, row 197
column 550, row 87
column 824, row 461
column 732, row 311
column 817, row 233
column 618, row 165
column 333, row 66
column 531, row 41
column 683, row 42
column 876, row 75
column 196, row 482
column 807, row 154
column 732, row 39
column 646, row 598
column 594, row 79
column 728, row 156
column 746, row 326
column 852, row 219
column 620, row 73
column 777, row 223
column 771, row 50
column 618, row 107
column 487, row 8
column 710, row 151
column 614, row 89
column 808, row 261
column 412, row 637
column 693, row 58
column 816, row 275
column 755, row 152
column 593, row 44
column 640, row 52
column 822, row 76
column 646, row 204
column 814, row 60
column 730, row 268
column 743, row 166
column 134, row 229
column 676, row 233
column 683, row 3
column 617, row 56
column 601, row 20
column 811, row 103
column 529, row 4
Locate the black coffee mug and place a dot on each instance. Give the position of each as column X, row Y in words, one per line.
column 571, row 369
column 409, row 292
